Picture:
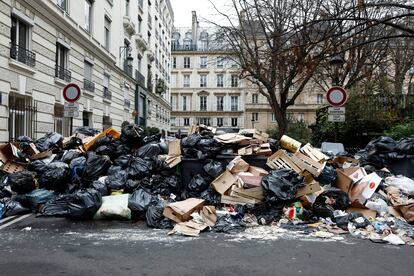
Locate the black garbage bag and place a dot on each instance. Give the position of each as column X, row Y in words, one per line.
column 191, row 152
column 22, row 182
column 281, row 185
column 382, row 145
column 69, row 155
column 229, row 224
column 161, row 167
column 88, row 131
column 274, row 144
column 209, row 146
column 37, row 166
column 329, row 201
column 49, row 141
column 123, row 161
column 105, row 150
column 214, row 168
column 120, row 149
column 12, row 207
column 130, row 134
column 155, row 218
column 96, row 166
column 148, row 150
column 81, row 205
column 78, row 166
column 140, row 200
column 100, row 187
column 24, row 142
column 131, row 185
column 38, row 197
column 405, row 146
column 117, row 180
column 266, row 213
column 56, row 177
column 103, row 141
column 190, row 141
column 151, row 139
column 114, row 169
column 197, row 184
column 357, row 219
column 211, row 197
column 327, row 176
column 139, row 168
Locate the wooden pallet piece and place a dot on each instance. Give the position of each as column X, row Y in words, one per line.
column 282, row 160
column 306, row 163
column 313, row 153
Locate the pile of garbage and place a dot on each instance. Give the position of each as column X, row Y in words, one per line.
column 209, row 182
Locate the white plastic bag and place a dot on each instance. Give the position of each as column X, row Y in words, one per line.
column 405, row 184
column 114, row 207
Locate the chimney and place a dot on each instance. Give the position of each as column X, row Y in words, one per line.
column 194, row 27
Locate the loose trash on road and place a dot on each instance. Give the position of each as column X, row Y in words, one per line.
column 207, row 182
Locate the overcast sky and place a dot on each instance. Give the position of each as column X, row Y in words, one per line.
column 183, row 8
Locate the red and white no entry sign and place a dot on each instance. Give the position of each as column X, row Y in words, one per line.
column 71, row 92
column 336, row 96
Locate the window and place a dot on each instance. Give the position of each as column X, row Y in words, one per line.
column 106, row 122
column 62, row 124
column 87, row 119
column 220, row 103
column 220, row 62
column 172, row 119
column 186, row 62
column 63, row 4
column 301, row 117
column 22, row 116
column 219, row 122
column 220, row 80
column 204, row 45
column 87, row 81
column 139, row 63
column 203, row 62
column 234, row 103
column 255, row 98
column 106, row 91
column 107, row 34
column 184, row 103
column 174, row 62
column 255, row 116
column 61, row 65
column 273, row 117
column 234, row 122
column 234, row 81
column 127, row 7
column 186, row 82
column 139, row 24
column 173, row 102
column 203, row 103
column 203, row 121
column 19, row 36
column 186, row 121
column 88, row 15
column 319, row 99
column 203, row 80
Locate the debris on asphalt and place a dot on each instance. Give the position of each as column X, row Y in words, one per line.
column 225, row 183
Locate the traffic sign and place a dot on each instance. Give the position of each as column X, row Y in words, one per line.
column 71, row 92
column 71, row 110
column 336, row 110
column 336, row 118
column 336, row 96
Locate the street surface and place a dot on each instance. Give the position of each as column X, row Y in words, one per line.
column 53, row 246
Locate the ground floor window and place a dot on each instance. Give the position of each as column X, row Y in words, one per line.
column 186, row 121
column 203, row 121
column 62, row 124
column 106, row 122
column 234, row 122
column 219, row 122
column 87, row 118
column 22, row 116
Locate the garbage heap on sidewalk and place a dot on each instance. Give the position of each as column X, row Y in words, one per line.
column 208, row 182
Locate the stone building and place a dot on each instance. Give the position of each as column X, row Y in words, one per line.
column 106, row 47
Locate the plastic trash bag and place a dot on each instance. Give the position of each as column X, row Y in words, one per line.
column 357, row 219
column 406, row 146
column 56, row 177
column 78, row 166
column 49, row 141
column 382, row 145
column 211, row 197
column 96, row 166
column 39, row 197
column 21, row 182
column 148, row 150
column 130, row 134
column 329, row 201
column 12, row 207
column 190, row 141
column 229, row 224
column 81, row 205
column 155, row 218
column 140, row 200
column 114, row 207
column 209, row 146
column 139, row 168
column 405, row 184
column 281, row 185
column 37, row 166
column 2, row 209
column 214, row 168
column 100, row 186
column 151, row 139
column 24, row 142
column 327, row 176
column 274, row 144
column 197, row 184
column 88, row 131
column 117, row 180
column 69, row 155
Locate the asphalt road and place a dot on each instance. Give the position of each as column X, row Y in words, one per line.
column 36, row 246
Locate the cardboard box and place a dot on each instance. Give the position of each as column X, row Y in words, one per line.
column 238, row 165
column 308, row 189
column 249, row 181
column 222, row 183
column 346, row 178
column 8, row 156
column 181, row 211
column 257, row 171
column 32, row 150
column 42, row 155
column 365, row 188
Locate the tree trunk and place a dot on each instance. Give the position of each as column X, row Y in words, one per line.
column 281, row 119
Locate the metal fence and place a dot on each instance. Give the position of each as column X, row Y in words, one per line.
column 23, row 55
column 22, row 119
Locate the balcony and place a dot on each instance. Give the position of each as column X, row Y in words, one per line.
column 107, row 94
column 141, row 43
column 127, row 68
column 127, row 103
column 175, row 47
column 23, row 55
column 62, row 73
column 150, row 55
column 140, row 79
column 88, row 85
column 128, row 25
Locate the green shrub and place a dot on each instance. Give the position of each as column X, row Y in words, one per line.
column 297, row 130
column 148, row 131
column 401, row 130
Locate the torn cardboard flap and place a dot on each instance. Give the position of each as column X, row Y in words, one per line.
column 8, row 156
column 222, row 183
column 208, row 213
column 308, row 189
column 181, row 211
column 238, row 165
column 346, row 178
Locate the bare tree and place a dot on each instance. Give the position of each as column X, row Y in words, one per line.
column 282, row 44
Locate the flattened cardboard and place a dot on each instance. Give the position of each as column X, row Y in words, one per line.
column 308, row 189
column 238, row 165
column 248, row 181
column 367, row 213
column 174, row 148
column 208, row 213
column 257, row 171
column 222, row 183
column 42, row 155
column 181, row 211
column 8, row 155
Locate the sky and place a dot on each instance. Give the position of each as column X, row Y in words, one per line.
column 205, row 10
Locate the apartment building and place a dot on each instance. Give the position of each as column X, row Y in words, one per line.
column 103, row 46
column 205, row 84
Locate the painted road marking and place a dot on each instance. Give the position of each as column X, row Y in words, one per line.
column 14, row 221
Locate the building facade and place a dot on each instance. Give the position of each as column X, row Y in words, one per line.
column 103, row 46
column 205, row 84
